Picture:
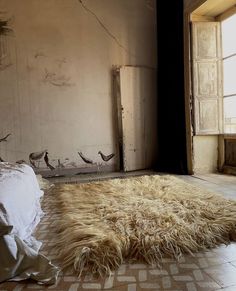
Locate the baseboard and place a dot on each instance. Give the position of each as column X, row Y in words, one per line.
column 46, row 173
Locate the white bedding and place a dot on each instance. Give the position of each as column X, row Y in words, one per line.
column 20, row 212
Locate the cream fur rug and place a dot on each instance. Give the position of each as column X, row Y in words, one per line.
column 138, row 219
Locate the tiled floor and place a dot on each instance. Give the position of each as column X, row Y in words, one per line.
column 213, row 270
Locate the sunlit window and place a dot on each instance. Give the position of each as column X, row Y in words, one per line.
column 229, row 61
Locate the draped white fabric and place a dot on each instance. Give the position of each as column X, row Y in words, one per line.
column 20, row 212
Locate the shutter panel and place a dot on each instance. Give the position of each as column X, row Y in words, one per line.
column 207, row 78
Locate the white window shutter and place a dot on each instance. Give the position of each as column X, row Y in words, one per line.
column 207, row 78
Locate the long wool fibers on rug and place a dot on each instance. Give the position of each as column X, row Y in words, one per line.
column 103, row 224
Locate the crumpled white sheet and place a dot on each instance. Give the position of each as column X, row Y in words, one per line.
column 44, row 184
column 20, row 212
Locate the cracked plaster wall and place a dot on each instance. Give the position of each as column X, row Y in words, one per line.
column 56, row 94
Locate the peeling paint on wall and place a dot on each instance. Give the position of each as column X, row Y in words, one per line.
column 56, row 79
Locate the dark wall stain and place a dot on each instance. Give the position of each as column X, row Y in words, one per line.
column 4, row 28
column 39, row 55
column 5, row 137
column 56, row 79
column 106, row 158
column 46, row 159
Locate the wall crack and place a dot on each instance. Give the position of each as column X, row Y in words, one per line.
column 106, row 29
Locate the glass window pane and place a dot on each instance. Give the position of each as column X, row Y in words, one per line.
column 229, row 36
column 230, row 76
column 230, row 114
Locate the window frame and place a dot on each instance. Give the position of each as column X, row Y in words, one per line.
column 199, row 10
column 224, row 17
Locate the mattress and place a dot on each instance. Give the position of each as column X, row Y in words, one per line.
column 20, row 213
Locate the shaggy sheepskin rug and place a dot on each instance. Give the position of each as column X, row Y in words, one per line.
column 103, row 224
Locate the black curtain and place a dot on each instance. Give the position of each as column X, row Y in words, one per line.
column 172, row 155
